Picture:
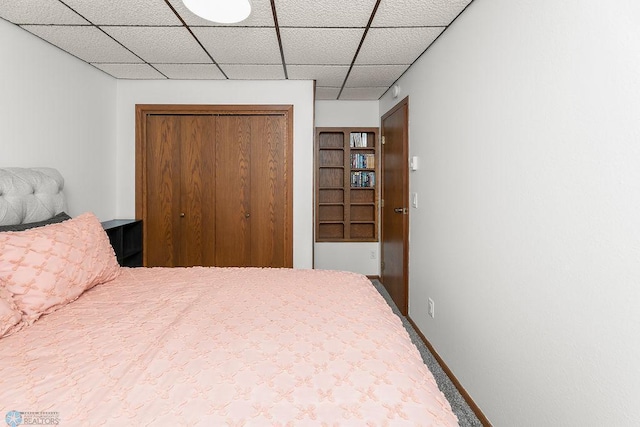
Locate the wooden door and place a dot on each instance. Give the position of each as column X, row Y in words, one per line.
column 214, row 185
column 250, row 180
column 162, row 224
column 179, row 225
column 197, row 191
column 395, row 218
column 233, row 185
column 268, row 185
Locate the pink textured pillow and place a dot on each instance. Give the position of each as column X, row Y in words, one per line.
column 10, row 316
column 47, row 267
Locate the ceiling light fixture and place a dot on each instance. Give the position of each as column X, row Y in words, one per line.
column 221, row 11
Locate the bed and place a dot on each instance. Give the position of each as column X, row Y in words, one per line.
column 87, row 342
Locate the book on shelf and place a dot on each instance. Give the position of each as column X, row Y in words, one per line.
column 363, row 161
column 362, row 179
column 371, row 161
column 358, row 139
column 354, row 139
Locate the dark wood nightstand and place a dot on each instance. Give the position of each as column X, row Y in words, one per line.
column 126, row 238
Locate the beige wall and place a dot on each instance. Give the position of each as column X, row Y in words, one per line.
column 58, row 111
column 525, row 117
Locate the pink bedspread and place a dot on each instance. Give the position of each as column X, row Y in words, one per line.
column 214, row 347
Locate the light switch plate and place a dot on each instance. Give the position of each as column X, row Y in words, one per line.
column 413, row 163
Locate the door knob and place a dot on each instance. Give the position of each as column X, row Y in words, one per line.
column 181, row 214
column 247, row 215
column 400, row 210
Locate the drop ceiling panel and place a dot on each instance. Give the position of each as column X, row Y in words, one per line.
column 261, row 15
column 326, row 13
column 87, row 43
column 233, row 45
column 130, row 71
column 363, row 93
column 374, row 75
column 253, row 72
column 319, row 39
column 421, row 13
column 190, row 71
column 39, row 12
column 324, row 75
column 396, row 45
column 166, row 45
column 125, row 12
column 328, row 46
column 327, row 93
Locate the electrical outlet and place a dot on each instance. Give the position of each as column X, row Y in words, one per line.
column 432, row 308
column 373, row 254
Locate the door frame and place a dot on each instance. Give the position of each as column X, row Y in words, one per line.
column 404, row 308
column 144, row 110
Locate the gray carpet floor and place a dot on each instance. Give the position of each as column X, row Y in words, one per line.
column 465, row 415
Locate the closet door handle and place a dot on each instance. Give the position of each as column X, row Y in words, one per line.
column 247, row 215
column 400, row 210
column 181, row 214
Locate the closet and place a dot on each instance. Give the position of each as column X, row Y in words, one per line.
column 213, row 185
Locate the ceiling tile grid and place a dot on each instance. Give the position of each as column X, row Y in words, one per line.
column 328, row 41
column 160, row 44
column 130, row 71
column 125, row 12
column 324, row 75
column 417, row 13
column 44, row 12
column 374, row 75
column 190, row 71
column 327, row 93
column 87, row 43
column 396, row 45
column 316, row 46
column 253, row 72
column 325, row 13
column 234, row 45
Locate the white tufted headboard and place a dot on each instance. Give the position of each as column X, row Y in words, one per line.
column 30, row 195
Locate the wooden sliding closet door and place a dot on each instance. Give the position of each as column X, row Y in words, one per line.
column 268, row 184
column 180, row 176
column 213, row 185
column 232, row 187
column 197, row 191
column 250, row 180
column 162, row 223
